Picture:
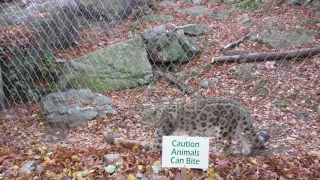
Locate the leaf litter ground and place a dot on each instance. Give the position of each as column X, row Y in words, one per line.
column 283, row 98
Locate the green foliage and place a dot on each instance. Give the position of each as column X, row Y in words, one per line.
column 313, row 21
column 133, row 27
column 195, row 73
column 207, row 68
column 47, row 71
column 16, row 76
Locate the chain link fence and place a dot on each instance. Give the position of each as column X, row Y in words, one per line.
column 73, row 71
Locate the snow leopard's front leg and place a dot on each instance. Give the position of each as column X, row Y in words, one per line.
column 156, row 145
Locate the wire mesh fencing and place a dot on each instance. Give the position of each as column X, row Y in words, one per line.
column 73, row 71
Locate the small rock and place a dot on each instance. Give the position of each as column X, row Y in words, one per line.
column 110, row 138
column 204, row 84
column 82, row 174
column 270, row 64
column 213, row 26
column 166, row 99
column 268, row 22
column 27, row 167
column 112, row 157
column 141, row 176
column 49, row 154
column 100, row 43
column 9, row 117
column 65, row 177
column 107, row 109
column 39, row 169
column 196, row 95
column 191, row 29
column 25, row 112
column 213, row 81
column 182, row 74
column 316, row 60
column 130, row 34
column 244, row 19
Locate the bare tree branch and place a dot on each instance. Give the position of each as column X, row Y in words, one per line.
column 181, row 85
column 235, row 43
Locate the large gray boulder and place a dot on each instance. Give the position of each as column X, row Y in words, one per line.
column 283, row 38
column 73, row 107
column 171, row 47
column 119, row 66
column 110, row 10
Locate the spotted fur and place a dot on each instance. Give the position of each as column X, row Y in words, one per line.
column 224, row 119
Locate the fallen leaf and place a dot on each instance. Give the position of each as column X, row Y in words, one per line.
column 74, row 158
column 140, row 167
column 110, row 169
column 314, row 153
column 289, row 175
column 156, row 168
column 131, row 177
column 136, row 149
column 253, row 160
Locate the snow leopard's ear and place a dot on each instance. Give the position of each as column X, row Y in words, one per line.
column 149, row 112
column 153, row 110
